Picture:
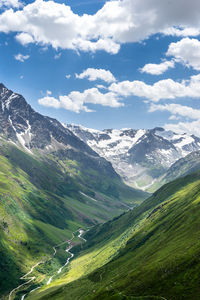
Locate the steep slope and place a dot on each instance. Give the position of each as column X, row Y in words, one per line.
column 139, row 156
column 183, row 167
column 51, row 184
column 151, row 252
column 43, row 200
column 21, row 124
column 44, row 136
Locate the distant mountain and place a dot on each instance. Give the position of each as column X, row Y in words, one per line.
column 183, row 167
column 141, row 157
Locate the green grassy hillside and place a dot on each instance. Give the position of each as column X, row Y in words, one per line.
column 43, row 199
column 151, row 252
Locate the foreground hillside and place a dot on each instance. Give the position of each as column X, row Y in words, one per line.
column 151, row 252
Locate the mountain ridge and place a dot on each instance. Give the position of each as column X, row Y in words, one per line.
column 22, row 124
column 140, row 156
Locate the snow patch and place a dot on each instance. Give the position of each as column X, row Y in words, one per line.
column 24, row 138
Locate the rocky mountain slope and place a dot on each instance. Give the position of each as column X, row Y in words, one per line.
column 183, row 167
column 43, row 136
column 141, row 157
column 19, row 123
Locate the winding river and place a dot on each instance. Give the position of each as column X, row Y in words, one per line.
column 32, row 278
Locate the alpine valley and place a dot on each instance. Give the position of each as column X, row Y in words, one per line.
column 77, row 220
column 51, row 184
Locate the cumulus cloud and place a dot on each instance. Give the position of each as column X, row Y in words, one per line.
column 10, row 3
column 21, row 57
column 75, row 100
column 185, row 127
column 49, row 102
column 157, row 69
column 117, row 92
column 95, row 74
column 163, row 89
column 182, row 32
column 187, row 52
column 68, row 76
column 176, row 110
column 24, row 38
column 117, row 22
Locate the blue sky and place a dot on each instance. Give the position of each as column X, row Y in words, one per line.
column 128, row 63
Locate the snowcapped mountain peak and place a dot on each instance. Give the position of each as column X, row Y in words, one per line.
column 139, row 156
column 20, row 124
column 108, row 142
column 6, row 97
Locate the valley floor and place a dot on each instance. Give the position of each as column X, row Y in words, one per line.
column 18, row 292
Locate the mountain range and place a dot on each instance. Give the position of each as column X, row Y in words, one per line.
column 51, row 184
column 70, row 226
column 142, row 157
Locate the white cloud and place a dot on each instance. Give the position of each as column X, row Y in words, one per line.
column 186, row 51
column 117, row 22
column 174, row 117
column 157, row 69
column 163, row 89
column 117, row 92
column 185, row 127
column 182, row 32
column 21, row 57
column 75, row 100
column 57, row 56
column 49, row 102
column 68, row 76
column 95, row 74
column 176, row 110
column 10, row 3
column 101, row 87
column 24, row 38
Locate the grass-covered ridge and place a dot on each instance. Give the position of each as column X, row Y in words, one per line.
column 151, row 252
column 43, row 199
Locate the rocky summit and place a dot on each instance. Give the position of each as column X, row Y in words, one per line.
column 20, row 124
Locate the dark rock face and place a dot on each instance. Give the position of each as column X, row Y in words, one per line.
column 20, row 123
column 129, row 132
column 147, row 147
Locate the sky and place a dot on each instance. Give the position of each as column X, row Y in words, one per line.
column 105, row 64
